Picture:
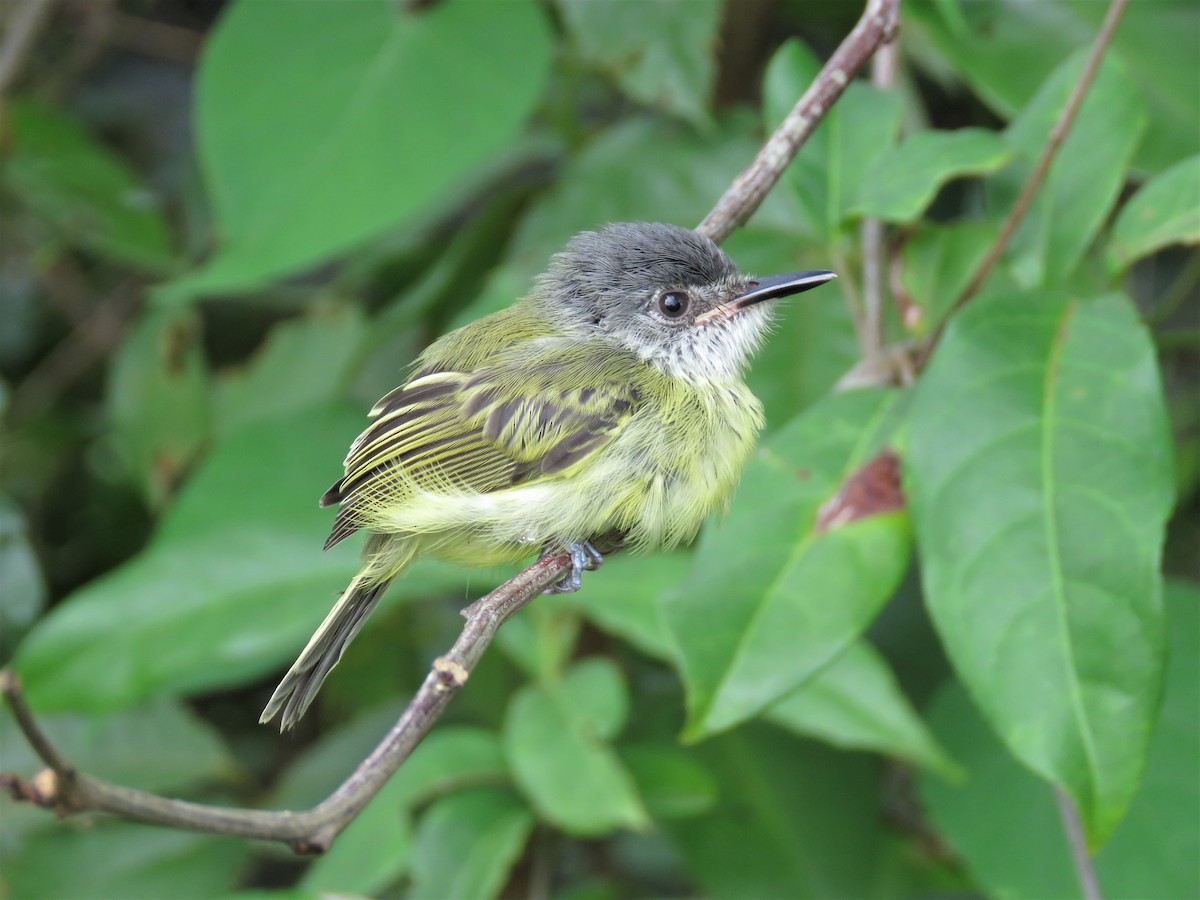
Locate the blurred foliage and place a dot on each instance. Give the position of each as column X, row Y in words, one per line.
column 228, row 228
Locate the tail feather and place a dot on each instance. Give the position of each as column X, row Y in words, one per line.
column 324, row 650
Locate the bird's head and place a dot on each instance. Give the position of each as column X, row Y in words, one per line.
column 667, row 293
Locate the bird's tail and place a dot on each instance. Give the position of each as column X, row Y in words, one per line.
column 325, row 648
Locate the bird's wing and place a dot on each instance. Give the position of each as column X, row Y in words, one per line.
column 480, row 431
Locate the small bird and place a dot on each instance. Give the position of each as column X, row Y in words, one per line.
column 604, row 410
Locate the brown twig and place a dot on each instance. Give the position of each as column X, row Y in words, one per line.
column 1058, row 134
column 308, row 831
column 877, row 26
column 874, row 247
column 67, row 790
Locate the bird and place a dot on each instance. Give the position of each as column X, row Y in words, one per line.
column 605, row 410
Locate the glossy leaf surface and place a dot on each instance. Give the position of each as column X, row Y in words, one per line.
column 1040, row 481
column 770, row 600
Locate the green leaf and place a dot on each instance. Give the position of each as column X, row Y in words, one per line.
column 323, row 765
column 304, row 364
column 1152, row 854
column 771, row 600
column 1005, row 49
column 672, row 782
column 662, row 53
column 160, row 745
column 1164, row 211
column 623, row 598
column 82, row 189
column 1085, row 178
column 555, row 737
column 855, row 702
column 677, row 174
column 542, row 641
column 1040, row 481
column 826, row 173
column 902, row 181
column 452, row 758
column 304, row 161
column 467, row 843
column 158, row 401
column 795, row 819
column 117, row 859
column 230, row 588
column 937, row 266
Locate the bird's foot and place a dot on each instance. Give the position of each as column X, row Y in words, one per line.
column 584, row 558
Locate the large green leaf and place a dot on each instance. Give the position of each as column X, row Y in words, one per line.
column 903, row 180
column 826, row 173
column 771, row 599
column 119, row 859
column 305, row 159
column 677, row 174
column 82, row 189
column 157, row 746
column 672, row 782
column 158, row 401
column 303, row 364
column 623, row 598
column 1152, row 854
column 1164, row 211
column 467, row 843
column 229, row 588
column 937, row 265
column 1040, row 482
column 1005, row 49
column 556, row 738
column 855, row 702
column 794, row 819
column 1085, row 178
column 661, row 53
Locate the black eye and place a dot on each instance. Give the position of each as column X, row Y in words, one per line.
column 674, row 304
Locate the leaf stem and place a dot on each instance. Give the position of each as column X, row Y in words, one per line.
column 1058, row 135
column 873, row 232
column 1073, row 828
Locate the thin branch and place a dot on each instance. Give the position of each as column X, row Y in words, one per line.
column 1084, row 866
column 883, row 75
column 1058, row 134
column 20, row 36
column 877, row 26
column 308, row 831
column 67, row 790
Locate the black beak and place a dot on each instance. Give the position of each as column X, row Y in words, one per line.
column 766, row 289
column 780, row 286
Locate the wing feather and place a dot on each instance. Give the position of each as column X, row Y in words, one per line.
column 483, row 431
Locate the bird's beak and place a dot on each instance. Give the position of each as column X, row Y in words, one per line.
column 767, row 289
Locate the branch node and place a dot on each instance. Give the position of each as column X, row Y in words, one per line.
column 314, row 846
column 451, row 673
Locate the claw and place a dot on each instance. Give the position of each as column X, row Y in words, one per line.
column 584, row 558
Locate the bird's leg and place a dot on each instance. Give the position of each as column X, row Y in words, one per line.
column 584, row 558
